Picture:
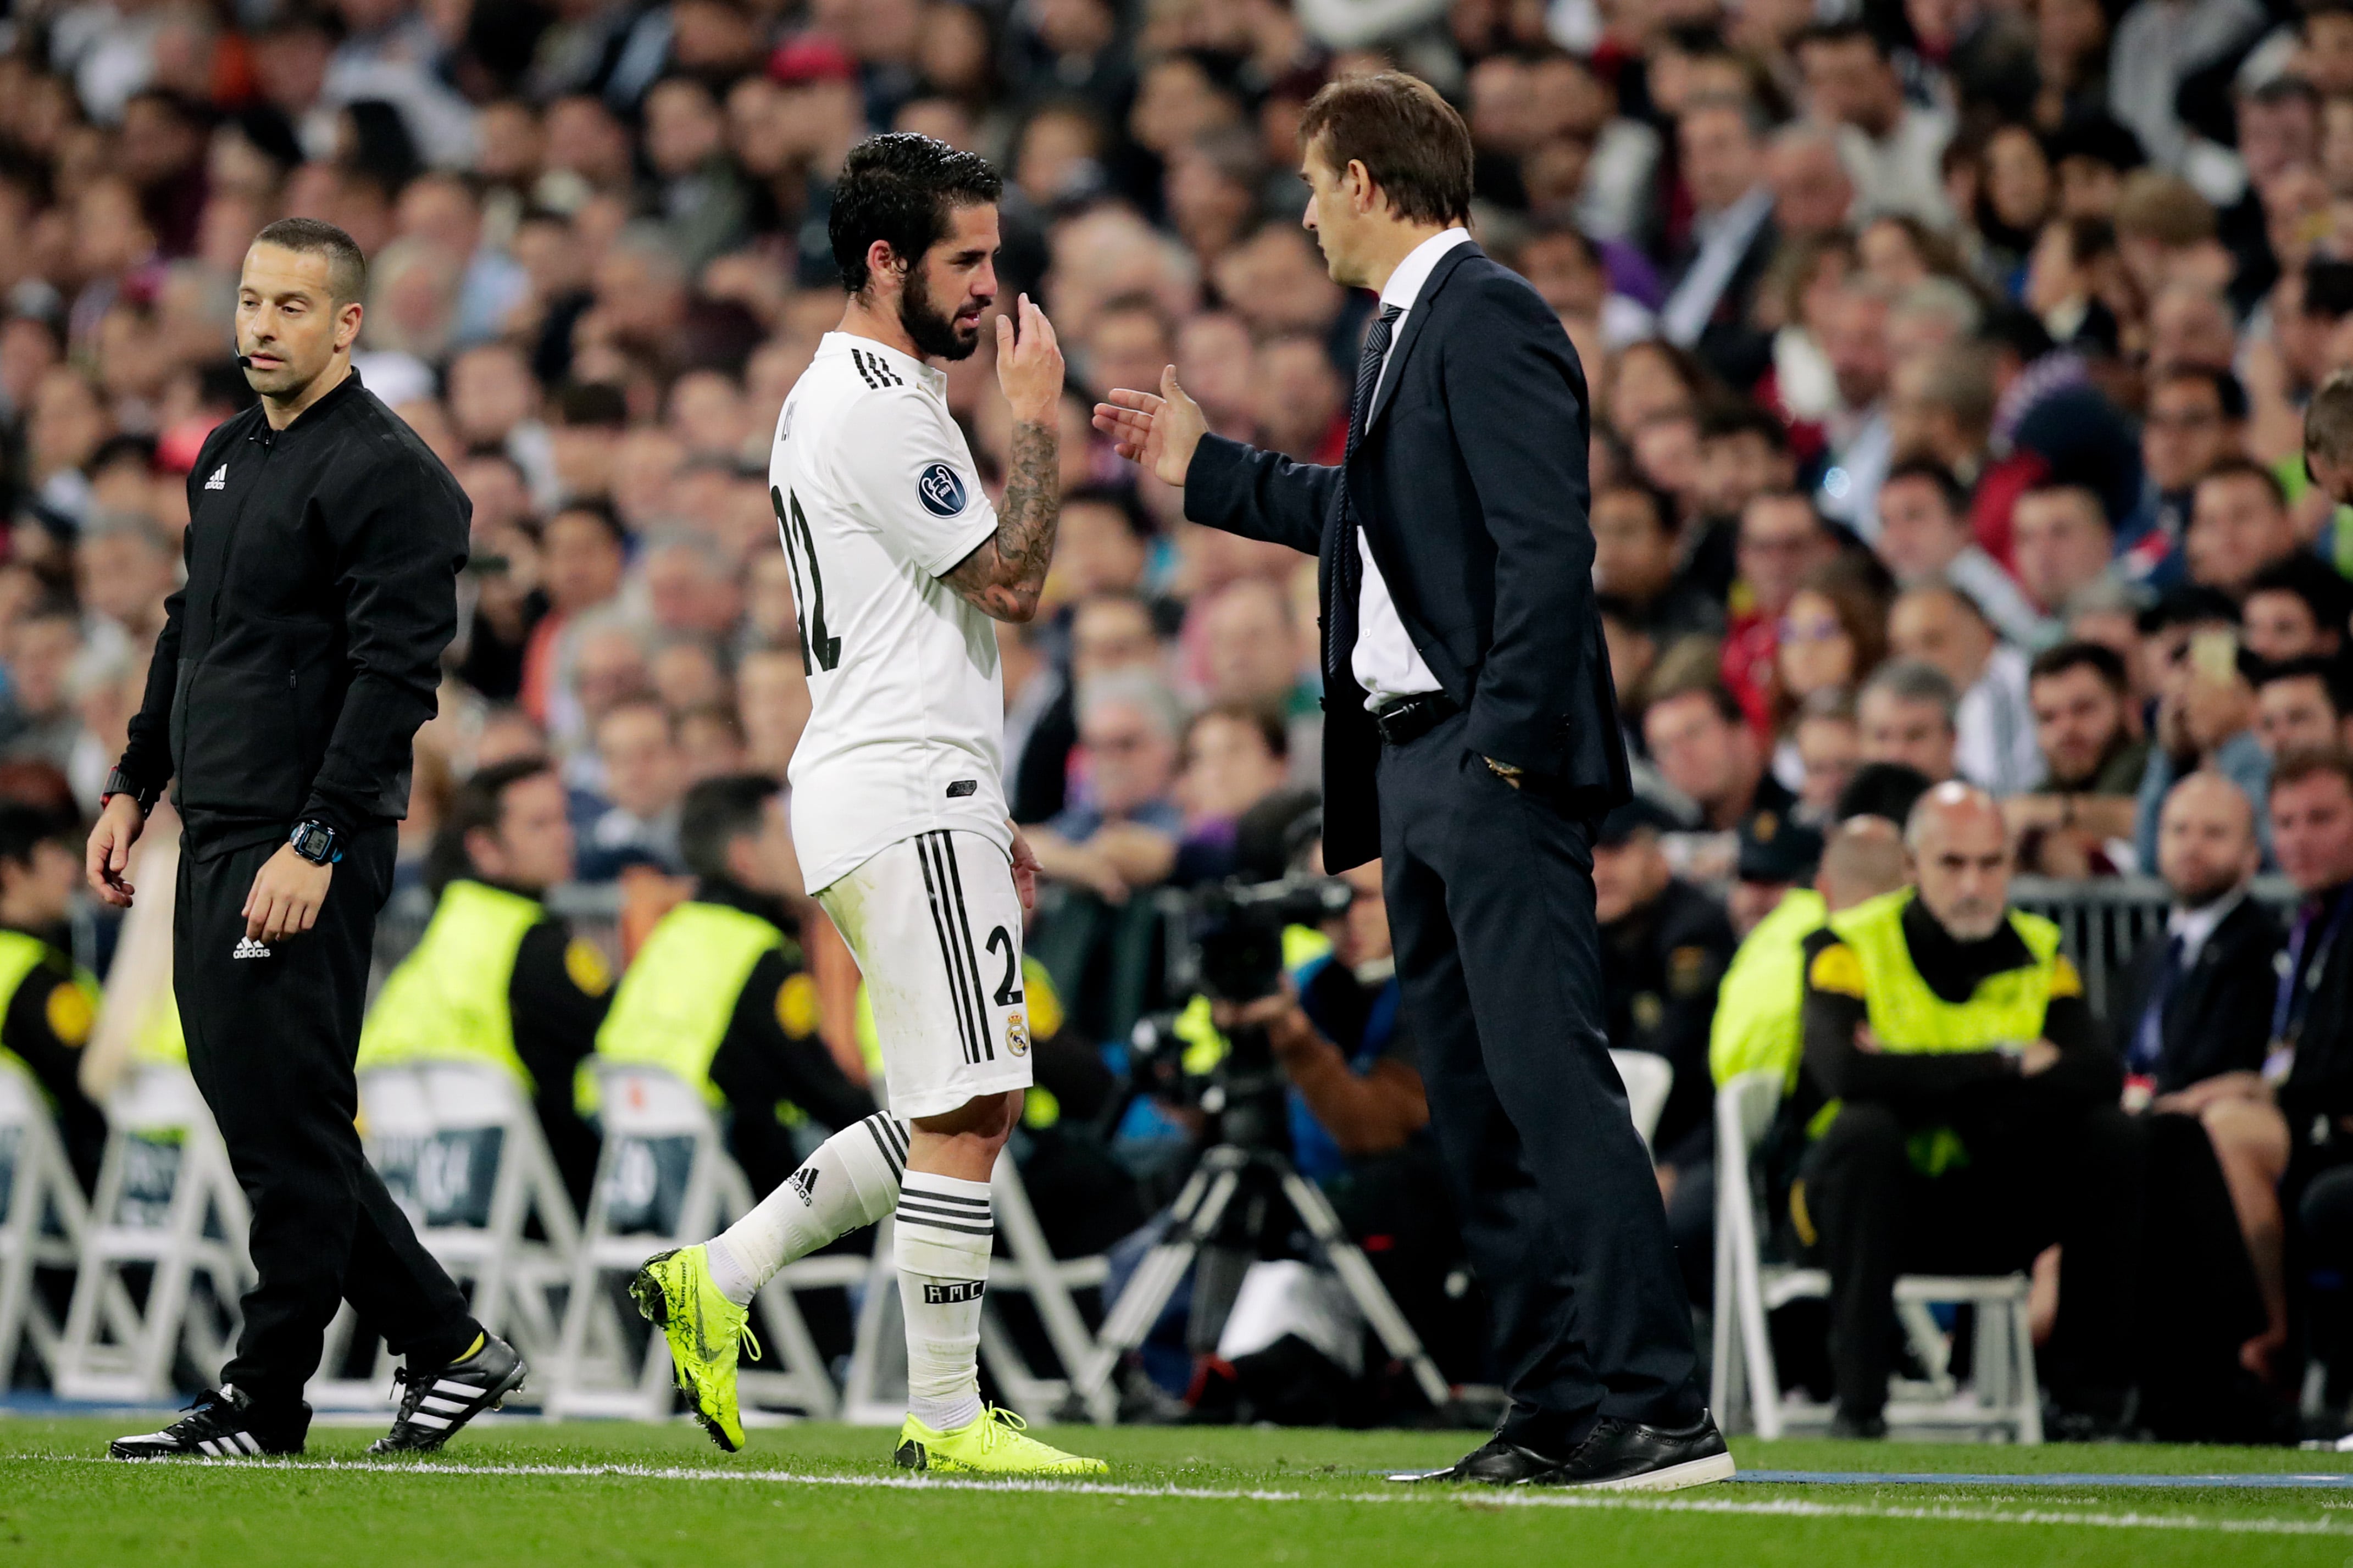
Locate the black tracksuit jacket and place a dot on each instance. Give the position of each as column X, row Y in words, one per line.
column 293, row 670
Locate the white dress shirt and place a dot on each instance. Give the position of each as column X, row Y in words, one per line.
column 1386, row 663
column 2194, row 926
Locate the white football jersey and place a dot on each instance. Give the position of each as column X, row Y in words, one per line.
column 876, row 496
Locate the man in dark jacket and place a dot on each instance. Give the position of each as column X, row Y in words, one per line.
column 2198, row 1004
column 1471, row 738
column 292, row 674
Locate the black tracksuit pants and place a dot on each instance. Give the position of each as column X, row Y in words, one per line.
column 270, row 1041
column 1490, row 909
column 2076, row 1181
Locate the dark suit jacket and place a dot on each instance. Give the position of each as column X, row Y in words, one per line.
column 1470, row 483
column 2219, row 1019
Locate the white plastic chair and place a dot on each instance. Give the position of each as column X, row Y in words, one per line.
column 665, row 1180
column 167, row 1201
column 1649, row 1078
column 2003, row 1399
column 42, row 1218
column 460, row 1149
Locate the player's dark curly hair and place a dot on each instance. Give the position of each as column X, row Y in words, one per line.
column 898, row 188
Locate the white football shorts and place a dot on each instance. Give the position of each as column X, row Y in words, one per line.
column 935, row 926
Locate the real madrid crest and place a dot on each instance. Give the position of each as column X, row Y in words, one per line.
column 1017, row 1035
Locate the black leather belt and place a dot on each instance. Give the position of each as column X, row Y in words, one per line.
column 1410, row 718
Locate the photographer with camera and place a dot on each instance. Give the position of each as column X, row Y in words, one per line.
column 1294, row 1060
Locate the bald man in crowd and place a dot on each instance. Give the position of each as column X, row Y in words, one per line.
column 2194, row 1018
column 1978, row 1118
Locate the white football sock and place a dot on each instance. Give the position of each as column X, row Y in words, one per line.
column 942, row 1247
column 851, row 1179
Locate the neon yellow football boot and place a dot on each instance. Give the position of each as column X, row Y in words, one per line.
column 994, row 1442
column 674, row 1289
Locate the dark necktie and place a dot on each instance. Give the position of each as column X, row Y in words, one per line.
column 2148, row 1039
column 1346, row 568
column 1369, row 370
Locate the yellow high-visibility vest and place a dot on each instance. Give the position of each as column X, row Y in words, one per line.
column 679, row 996
column 448, row 999
column 20, row 955
column 1908, row 1016
column 1759, row 1009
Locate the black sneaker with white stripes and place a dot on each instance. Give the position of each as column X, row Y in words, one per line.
column 435, row 1402
column 221, row 1425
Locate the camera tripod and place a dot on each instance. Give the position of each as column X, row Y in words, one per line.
column 1194, row 1223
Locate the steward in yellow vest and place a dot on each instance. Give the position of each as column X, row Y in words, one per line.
column 717, row 993
column 1973, row 1118
column 47, row 1006
column 496, row 979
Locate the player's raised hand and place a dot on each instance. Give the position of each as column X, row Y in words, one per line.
column 1030, row 363
column 1156, row 430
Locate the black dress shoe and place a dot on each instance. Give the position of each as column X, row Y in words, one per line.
column 1494, row 1463
column 1628, row 1456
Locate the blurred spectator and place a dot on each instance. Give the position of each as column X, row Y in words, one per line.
column 1925, row 537
column 1938, row 624
column 1905, row 714
column 1701, row 741
column 1126, row 834
column 1234, row 756
column 2205, row 711
column 2061, row 544
column 1634, row 561
column 1782, row 540
column 2193, row 1024
column 1828, row 744
column 2299, row 706
column 644, row 776
column 2094, row 756
column 2296, row 608
column 2239, row 525
column 2195, row 418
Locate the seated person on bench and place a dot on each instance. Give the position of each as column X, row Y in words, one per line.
column 496, row 979
column 47, row 1006
column 717, row 993
column 1975, row 1118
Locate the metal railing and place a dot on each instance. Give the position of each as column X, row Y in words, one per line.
column 2103, row 921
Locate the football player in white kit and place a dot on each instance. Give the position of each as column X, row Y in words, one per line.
column 900, row 565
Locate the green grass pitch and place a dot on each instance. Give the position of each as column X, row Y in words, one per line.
column 585, row 1494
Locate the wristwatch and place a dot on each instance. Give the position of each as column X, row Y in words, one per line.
column 120, row 782
column 317, row 843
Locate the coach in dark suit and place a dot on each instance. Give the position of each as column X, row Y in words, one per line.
column 1471, row 738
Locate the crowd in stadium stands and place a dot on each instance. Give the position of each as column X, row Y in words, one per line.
column 1947, row 367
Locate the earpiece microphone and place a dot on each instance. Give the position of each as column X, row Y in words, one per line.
column 243, row 363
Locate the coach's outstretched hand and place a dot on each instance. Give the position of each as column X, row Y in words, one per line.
column 1158, row 430
column 1030, row 363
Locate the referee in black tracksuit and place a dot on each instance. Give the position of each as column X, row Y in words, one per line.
column 286, row 689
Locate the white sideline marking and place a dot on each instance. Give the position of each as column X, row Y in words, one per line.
column 1792, row 1507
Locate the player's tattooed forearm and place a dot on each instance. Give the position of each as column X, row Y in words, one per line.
column 1005, row 576
column 1033, row 505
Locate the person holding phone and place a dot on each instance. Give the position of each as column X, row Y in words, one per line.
column 2205, row 709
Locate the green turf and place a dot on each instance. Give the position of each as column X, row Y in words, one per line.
column 57, row 1507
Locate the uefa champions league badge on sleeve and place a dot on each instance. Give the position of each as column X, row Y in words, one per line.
column 941, row 489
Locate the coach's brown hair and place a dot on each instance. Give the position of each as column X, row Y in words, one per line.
column 1409, row 140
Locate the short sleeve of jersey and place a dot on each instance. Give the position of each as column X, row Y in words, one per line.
column 907, row 470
